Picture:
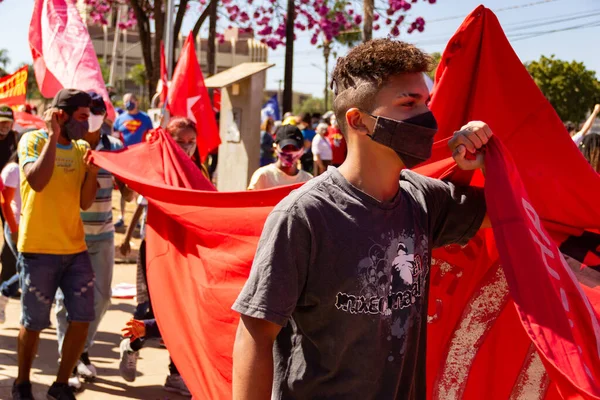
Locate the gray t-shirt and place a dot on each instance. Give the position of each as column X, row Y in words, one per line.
column 347, row 277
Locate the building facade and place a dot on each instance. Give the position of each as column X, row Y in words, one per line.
column 236, row 49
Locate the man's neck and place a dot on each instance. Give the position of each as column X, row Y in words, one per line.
column 291, row 170
column 63, row 139
column 134, row 112
column 377, row 176
column 93, row 139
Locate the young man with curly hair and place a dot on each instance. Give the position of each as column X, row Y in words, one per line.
column 336, row 303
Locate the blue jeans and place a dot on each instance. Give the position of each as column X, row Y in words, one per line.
column 102, row 255
column 11, row 286
column 43, row 274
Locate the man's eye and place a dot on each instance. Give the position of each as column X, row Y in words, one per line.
column 409, row 104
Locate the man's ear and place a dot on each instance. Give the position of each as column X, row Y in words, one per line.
column 359, row 122
column 62, row 116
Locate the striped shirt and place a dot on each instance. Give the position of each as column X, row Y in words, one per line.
column 98, row 219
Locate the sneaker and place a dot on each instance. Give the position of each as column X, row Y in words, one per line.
column 60, row 391
column 128, row 364
column 175, row 384
column 75, row 383
column 22, row 391
column 3, row 303
column 120, row 224
column 85, row 368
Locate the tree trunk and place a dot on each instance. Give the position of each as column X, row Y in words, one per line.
column 288, row 93
column 159, row 28
column 212, row 37
column 368, row 7
column 326, row 52
column 177, row 27
column 201, row 20
column 143, row 25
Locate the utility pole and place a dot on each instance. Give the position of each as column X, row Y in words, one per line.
column 288, row 93
column 326, row 52
column 113, row 59
column 279, row 94
column 169, row 39
column 368, row 7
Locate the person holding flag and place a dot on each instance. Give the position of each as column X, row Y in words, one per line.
column 58, row 179
column 99, row 238
column 341, row 270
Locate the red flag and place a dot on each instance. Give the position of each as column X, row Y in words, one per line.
column 163, row 83
column 201, row 246
column 188, row 97
column 24, row 121
column 63, row 53
column 13, row 87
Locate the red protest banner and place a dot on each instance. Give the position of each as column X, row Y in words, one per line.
column 13, row 88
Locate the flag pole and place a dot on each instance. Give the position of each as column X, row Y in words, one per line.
column 169, row 43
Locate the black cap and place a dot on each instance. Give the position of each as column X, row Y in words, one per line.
column 289, row 135
column 6, row 114
column 97, row 107
column 71, row 99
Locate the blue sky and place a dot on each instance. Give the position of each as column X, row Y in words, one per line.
column 442, row 19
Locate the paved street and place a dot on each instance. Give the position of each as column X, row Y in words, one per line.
column 152, row 366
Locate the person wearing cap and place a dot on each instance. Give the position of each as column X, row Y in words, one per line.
column 8, row 145
column 58, row 178
column 290, row 147
column 99, row 237
column 132, row 126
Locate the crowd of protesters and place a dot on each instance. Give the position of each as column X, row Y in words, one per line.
column 59, row 230
column 297, row 149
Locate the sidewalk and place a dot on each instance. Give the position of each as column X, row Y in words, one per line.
column 152, row 365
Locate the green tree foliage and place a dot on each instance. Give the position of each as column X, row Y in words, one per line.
column 105, row 69
column 569, row 86
column 437, row 57
column 4, row 61
column 137, row 74
column 33, row 92
column 313, row 105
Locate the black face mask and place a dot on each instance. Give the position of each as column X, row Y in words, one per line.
column 411, row 139
column 76, row 130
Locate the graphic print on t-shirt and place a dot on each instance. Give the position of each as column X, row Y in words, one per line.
column 391, row 282
column 132, row 125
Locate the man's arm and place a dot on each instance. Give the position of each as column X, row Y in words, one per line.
column 126, row 192
column 39, row 172
column 588, row 124
column 253, row 359
column 90, row 183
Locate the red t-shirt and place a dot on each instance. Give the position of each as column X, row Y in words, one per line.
column 338, row 145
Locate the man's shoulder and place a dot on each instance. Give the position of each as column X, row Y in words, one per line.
column 418, row 186
column 81, row 145
column 115, row 144
column 37, row 134
column 144, row 116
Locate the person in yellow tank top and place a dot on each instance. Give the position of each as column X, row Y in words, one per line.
column 57, row 180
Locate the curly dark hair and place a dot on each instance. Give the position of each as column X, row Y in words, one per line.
column 359, row 75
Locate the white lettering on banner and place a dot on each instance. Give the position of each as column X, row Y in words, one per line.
column 548, row 251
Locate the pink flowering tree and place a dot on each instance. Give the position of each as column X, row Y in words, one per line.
column 327, row 21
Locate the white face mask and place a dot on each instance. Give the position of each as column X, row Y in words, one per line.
column 95, row 122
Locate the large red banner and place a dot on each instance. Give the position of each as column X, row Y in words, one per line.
column 13, row 88
column 507, row 317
